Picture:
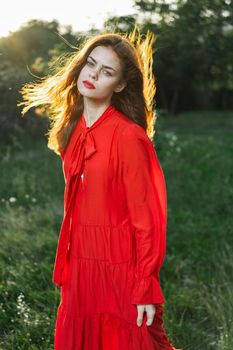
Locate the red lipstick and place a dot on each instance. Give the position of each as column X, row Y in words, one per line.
column 88, row 84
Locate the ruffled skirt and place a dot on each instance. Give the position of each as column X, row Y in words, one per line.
column 95, row 310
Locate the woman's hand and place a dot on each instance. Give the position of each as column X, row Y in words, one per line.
column 150, row 313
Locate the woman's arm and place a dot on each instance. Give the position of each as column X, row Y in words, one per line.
column 145, row 190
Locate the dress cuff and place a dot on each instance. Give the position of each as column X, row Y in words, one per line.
column 147, row 291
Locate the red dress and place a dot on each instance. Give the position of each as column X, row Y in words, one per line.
column 112, row 240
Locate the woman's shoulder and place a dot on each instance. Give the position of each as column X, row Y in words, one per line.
column 133, row 139
column 130, row 129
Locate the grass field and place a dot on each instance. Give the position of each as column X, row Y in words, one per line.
column 196, row 153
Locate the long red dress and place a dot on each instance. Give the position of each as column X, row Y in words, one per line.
column 113, row 238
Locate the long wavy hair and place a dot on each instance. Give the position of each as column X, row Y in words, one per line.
column 60, row 97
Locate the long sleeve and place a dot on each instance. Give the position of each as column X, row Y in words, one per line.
column 145, row 191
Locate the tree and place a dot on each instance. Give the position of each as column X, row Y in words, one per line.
column 193, row 47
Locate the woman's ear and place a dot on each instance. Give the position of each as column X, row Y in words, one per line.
column 121, row 86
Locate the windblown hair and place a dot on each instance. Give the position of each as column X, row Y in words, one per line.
column 59, row 94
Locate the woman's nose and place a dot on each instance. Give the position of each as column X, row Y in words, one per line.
column 94, row 73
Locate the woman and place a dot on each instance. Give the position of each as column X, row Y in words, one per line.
column 113, row 235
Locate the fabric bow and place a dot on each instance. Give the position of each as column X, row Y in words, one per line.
column 83, row 148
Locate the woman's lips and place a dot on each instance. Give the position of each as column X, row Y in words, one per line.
column 88, row 84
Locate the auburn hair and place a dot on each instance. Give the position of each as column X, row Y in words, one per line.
column 61, row 99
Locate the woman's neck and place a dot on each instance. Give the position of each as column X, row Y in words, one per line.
column 92, row 110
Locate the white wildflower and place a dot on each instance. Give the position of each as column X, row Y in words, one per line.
column 23, row 309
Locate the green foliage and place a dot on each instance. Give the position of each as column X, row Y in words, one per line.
column 193, row 52
column 27, row 54
column 193, row 58
column 120, row 24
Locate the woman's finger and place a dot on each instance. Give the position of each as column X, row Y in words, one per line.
column 141, row 309
column 150, row 314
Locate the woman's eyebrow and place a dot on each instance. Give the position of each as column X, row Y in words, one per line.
column 102, row 65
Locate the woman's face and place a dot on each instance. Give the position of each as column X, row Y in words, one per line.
column 103, row 70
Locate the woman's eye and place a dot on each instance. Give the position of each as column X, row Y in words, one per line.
column 107, row 73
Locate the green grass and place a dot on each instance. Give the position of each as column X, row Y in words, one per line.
column 195, row 150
